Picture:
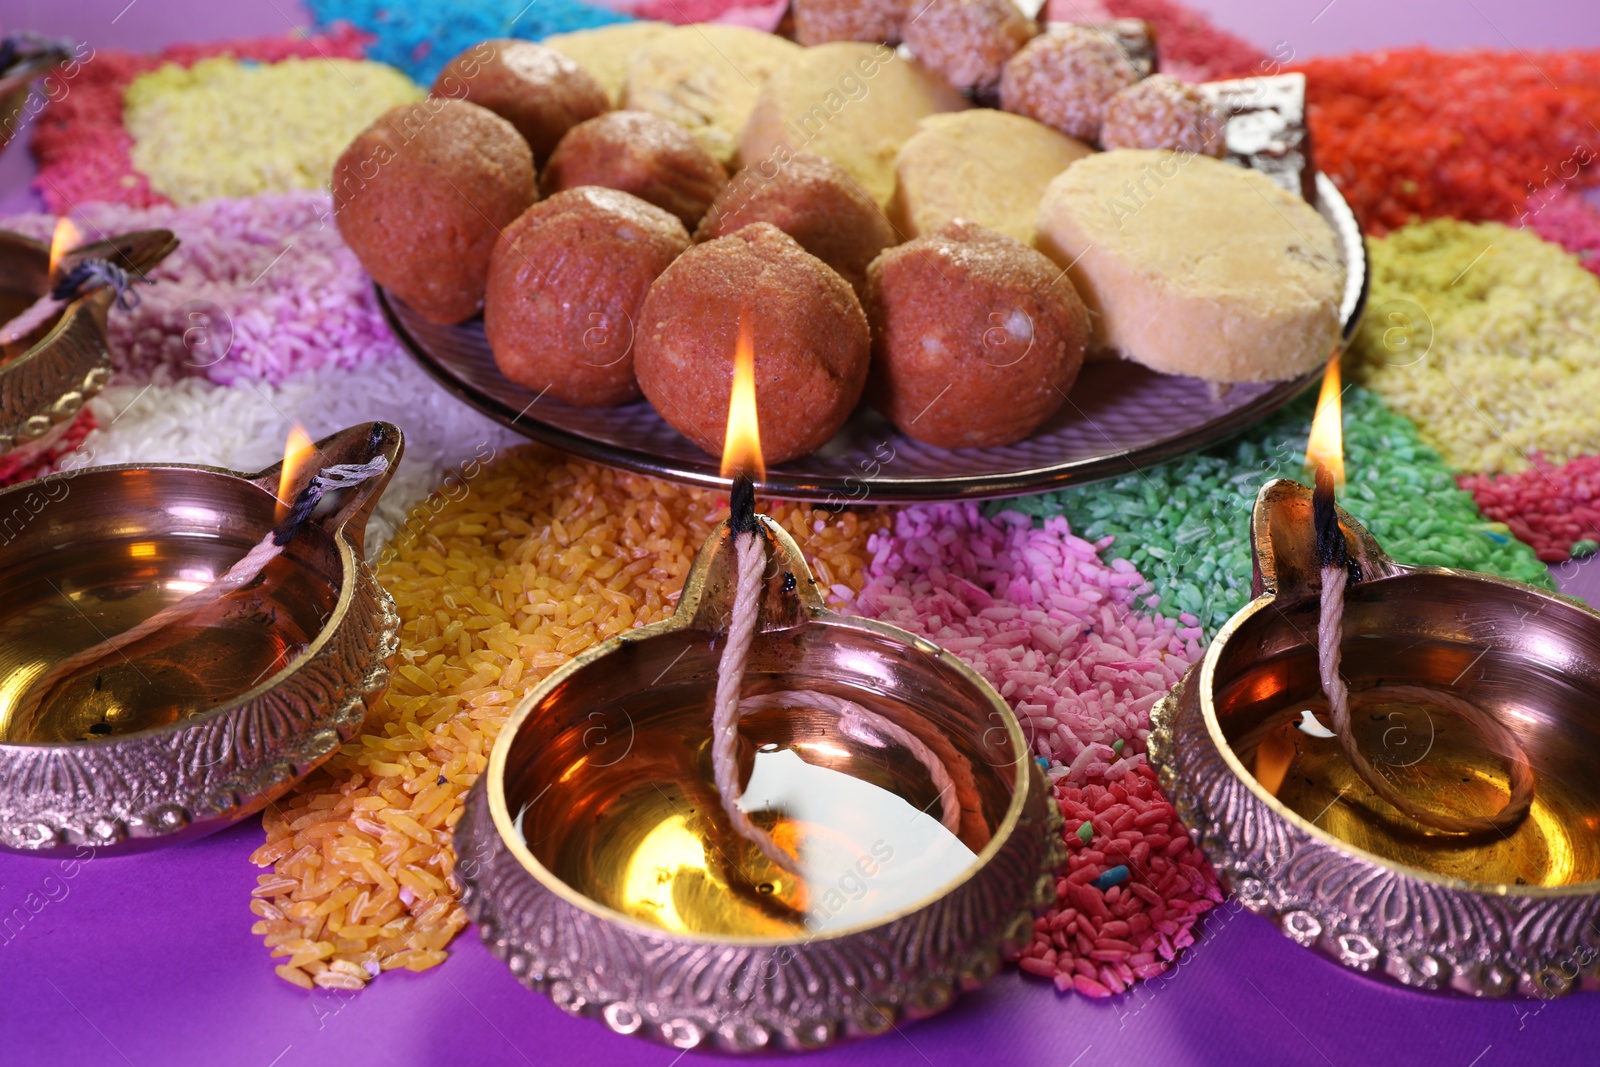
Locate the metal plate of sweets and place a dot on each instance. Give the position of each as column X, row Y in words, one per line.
column 1120, row 416
column 1335, row 866
column 202, row 723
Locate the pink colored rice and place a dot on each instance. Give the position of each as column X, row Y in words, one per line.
column 1569, row 219
column 290, row 292
column 1062, row 635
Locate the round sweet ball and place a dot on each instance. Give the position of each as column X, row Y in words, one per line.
column 651, row 157
column 967, row 42
column 565, row 287
column 813, row 200
column 537, row 89
column 421, row 196
column 809, row 336
column 1064, row 79
column 874, row 21
column 976, row 337
column 1162, row 112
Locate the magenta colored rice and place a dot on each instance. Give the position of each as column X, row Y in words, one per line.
column 1065, row 639
column 265, row 280
column 1569, row 219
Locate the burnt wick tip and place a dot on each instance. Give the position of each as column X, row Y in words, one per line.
column 742, row 505
column 1332, row 550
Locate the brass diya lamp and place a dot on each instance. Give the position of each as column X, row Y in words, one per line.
column 1300, row 835
column 203, row 720
column 54, row 355
column 599, row 859
column 24, row 57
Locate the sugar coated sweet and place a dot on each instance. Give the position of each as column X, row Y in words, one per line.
column 967, row 42
column 1065, row 79
column 1162, row 112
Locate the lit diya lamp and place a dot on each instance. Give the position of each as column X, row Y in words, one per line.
column 179, row 644
column 758, row 824
column 1395, row 762
column 54, row 302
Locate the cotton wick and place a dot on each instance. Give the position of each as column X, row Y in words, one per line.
column 85, row 277
column 338, row 476
column 91, row 274
column 1333, row 555
column 238, row 576
column 750, row 554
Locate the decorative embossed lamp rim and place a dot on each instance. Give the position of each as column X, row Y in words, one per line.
column 684, row 619
column 1376, row 566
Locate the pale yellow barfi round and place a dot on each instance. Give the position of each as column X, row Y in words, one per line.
column 852, row 102
column 982, row 165
column 1197, row 267
column 706, row 79
column 607, row 51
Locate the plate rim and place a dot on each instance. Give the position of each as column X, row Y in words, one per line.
column 832, row 490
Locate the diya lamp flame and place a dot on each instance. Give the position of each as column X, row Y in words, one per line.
column 62, row 241
column 298, row 453
column 741, row 443
column 1325, row 446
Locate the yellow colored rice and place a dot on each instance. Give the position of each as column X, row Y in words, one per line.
column 225, row 128
column 1514, row 362
column 541, row 558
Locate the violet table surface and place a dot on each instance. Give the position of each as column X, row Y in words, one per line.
column 150, row 961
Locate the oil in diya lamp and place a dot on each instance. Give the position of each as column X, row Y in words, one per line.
column 758, row 824
column 1396, row 763
column 54, row 302
column 180, row 644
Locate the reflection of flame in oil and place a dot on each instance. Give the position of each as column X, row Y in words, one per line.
column 298, row 453
column 1273, row 757
column 741, row 445
column 1325, row 446
column 64, row 240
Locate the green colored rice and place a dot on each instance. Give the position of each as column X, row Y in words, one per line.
column 1185, row 525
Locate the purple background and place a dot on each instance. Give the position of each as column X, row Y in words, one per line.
column 150, row 960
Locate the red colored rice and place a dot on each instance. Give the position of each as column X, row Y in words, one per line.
column 1414, row 133
column 1548, row 506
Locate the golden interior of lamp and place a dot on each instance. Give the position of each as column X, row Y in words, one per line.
column 610, row 784
column 1528, row 661
column 104, row 550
